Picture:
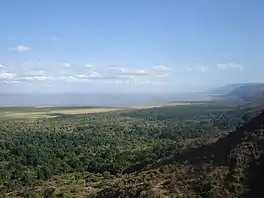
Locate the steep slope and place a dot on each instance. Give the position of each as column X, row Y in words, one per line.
column 246, row 158
column 226, row 89
column 219, row 151
column 241, row 153
column 231, row 167
column 248, row 91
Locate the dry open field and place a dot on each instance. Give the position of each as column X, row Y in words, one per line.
column 40, row 112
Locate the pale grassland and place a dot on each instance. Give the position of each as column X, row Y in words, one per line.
column 45, row 112
column 84, row 111
column 161, row 105
column 52, row 112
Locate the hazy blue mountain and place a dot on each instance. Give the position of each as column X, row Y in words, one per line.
column 226, row 89
column 248, row 91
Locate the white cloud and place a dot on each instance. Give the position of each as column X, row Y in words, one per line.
column 10, row 82
column 34, row 75
column 49, row 85
column 189, row 69
column 88, row 66
column 80, row 76
column 115, row 69
column 138, row 72
column 42, row 78
column 66, row 64
column 159, row 70
column 228, row 66
column 37, row 73
column 90, row 75
column 54, row 38
column 204, row 69
column 147, row 75
column 94, row 74
column 201, row 69
column 73, row 78
column 119, row 81
column 54, row 72
column 2, row 66
column 139, row 82
column 153, row 82
column 20, row 48
column 237, row 66
column 223, row 67
column 35, row 78
column 7, row 76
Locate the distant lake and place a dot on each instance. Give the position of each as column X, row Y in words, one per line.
column 92, row 99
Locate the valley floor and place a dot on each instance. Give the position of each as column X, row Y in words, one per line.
column 211, row 149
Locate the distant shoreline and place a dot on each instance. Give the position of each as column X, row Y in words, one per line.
column 59, row 111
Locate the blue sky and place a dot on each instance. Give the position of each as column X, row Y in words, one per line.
column 129, row 46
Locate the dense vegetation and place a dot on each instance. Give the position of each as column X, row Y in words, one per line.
column 144, row 153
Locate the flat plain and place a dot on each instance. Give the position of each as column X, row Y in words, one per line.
column 46, row 112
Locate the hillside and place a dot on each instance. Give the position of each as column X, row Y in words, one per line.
column 248, row 92
column 241, row 152
column 176, row 151
column 226, row 89
column 231, row 167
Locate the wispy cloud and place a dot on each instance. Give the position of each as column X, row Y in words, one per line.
column 94, row 74
column 218, row 67
column 189, row 69
column 88, row 76
column 54, row 38
column 20, row 48
column 35, row 78
column 70, row 78
column 35, row 75
column 55, row 72
column 37, row 72
column 89, row 66
column 228, row 66
column 135, row 72
column 153, row 71
column 116, row 69
column 9, row 82
column 24, row 76
column 151, row 82
column 199, row 69
column 66, row 64
column 204, row 69
column 160, row 68
column 80, row 76
column 7, row 76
